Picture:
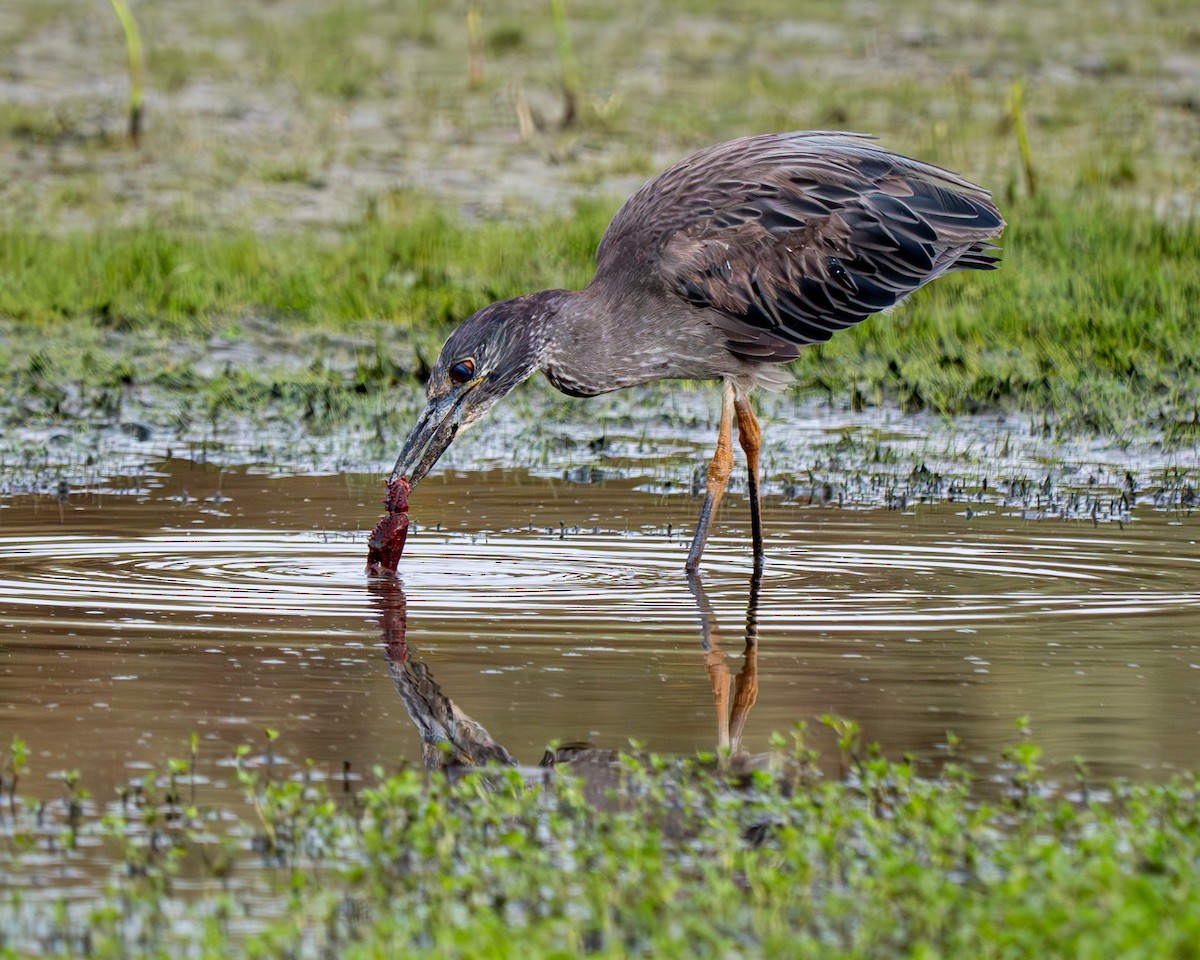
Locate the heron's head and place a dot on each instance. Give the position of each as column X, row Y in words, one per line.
column 484, row 358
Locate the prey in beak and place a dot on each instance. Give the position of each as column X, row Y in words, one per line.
column 482, row 361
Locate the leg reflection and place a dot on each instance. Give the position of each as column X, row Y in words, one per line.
column 731, row 717
column 448, row 736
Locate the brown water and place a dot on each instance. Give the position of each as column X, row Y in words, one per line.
column 227, row 601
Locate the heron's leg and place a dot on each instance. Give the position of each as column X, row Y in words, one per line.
column 718, row 476
column 750, row 437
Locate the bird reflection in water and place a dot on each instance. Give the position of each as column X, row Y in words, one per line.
column 448, row 736
column 452, row 739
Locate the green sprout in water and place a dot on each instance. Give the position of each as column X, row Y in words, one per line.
column 474, row 44
column 133, row 44
column 10, row 773
column 566, row 60
column 1016, row 112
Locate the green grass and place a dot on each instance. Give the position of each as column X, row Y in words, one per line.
column 326, row 185
column 388, row 86
column 1092, row 315
column 267, row 113
column 405, row 261
column 652, row 857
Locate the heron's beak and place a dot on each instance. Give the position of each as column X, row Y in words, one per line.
column 438, row 424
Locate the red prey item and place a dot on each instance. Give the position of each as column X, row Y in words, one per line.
column 387, row 539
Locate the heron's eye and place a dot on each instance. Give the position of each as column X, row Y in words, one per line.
column 462, row 371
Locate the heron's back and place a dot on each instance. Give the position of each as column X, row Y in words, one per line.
column 781, row 240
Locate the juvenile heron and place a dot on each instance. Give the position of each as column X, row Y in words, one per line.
column 722, row 267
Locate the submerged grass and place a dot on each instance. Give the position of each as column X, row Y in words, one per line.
column 628, row 856
column 1092, row 315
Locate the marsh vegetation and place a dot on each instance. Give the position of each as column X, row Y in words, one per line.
column 213, row 338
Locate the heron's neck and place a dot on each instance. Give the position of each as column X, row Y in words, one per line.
column 535, row 320
column 583, row 351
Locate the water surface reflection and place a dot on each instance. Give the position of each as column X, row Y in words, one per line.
column 130, row 621
column 449, row 737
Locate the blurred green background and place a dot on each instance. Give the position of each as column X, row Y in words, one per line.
column 376, row 171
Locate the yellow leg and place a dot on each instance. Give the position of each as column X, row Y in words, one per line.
column 750, row 437
column 718, row 476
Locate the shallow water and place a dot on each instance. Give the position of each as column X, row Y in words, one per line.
column 227, row 601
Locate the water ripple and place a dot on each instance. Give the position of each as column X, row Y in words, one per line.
column 210, row 580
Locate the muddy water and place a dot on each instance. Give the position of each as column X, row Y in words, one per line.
column 224, row 602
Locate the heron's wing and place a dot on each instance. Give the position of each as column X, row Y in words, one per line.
column 788, row 238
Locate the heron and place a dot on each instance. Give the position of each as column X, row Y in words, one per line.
column 722, row 267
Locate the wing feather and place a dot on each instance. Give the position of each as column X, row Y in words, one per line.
column 787, row 238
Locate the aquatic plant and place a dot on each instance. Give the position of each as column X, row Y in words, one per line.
column 137, row 66
column 566, row 62
column 1016, row 113
column 621, row 855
